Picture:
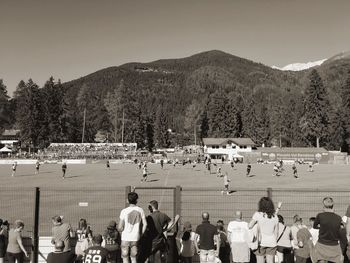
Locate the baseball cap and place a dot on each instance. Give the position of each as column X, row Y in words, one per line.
column 97, row 239
column 112, row 225
column 187, row 226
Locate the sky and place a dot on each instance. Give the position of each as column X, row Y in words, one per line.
column 69, row 39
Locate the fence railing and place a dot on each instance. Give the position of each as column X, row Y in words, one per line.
column 100, row 205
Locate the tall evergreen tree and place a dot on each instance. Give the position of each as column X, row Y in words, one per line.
column 52, row 103
column 4, row 106
column 315, row 119
column 28, row 112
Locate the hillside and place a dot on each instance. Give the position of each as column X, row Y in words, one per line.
column 181, row 89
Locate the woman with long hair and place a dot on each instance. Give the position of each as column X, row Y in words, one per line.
column 81, row 234
column 267, row 230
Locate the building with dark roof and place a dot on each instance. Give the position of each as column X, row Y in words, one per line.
column 227, row 148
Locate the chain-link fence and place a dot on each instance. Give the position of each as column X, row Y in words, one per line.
column 100, row 205
column 18, row 203
column 97, row 206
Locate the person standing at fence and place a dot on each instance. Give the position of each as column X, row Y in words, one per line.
column 81, row 235
column 238, row 237
column 267, row 222
column 224, row 251
column 14, row 168
column 59, row 255
column 297, row 225
column 37, row 167
column 186, row 244
column 207, row 234
column 112, row 241
column 132, row 225
column 347, row 225
column 284, row 242
column 96, row 253
column 327, row 247
column 314, row 232
column 158, row 223
column 61, row 232
column 3, row 240
column 64, row 169
column 15, row 248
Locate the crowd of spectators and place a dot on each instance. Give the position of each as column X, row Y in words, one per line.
column 89, row 150
column 156, row 238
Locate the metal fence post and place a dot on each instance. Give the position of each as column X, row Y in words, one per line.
column 177, row 205
column 269, row 192
column 36, row 226
column 127, row 191
column 177, row 200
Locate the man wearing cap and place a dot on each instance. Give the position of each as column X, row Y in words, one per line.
column 158, row 223
column 61, row 232
column 112, row 241
column 96, row 253
column 207, row 234
column 59, row 255
column 132, row 225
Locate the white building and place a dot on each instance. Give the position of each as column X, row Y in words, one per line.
column 229, row 148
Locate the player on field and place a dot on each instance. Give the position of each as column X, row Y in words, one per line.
column 295, row 171
column 14, row 168
column 249, row 168
column 107, row 164
column 276, row 170
column 64, row 169
column 162, row 163
column 96, row 253
column 194, row 163
column 226, row 184
column 219, row 174
column 144, row 174
column 311, row 167
column 37, row 167
column 232, row 164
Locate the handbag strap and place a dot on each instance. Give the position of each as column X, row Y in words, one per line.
column 281, row 234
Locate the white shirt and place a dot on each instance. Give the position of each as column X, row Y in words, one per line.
column 132, row 216
column 239, row 231
column 267, row 228
column 314, row 234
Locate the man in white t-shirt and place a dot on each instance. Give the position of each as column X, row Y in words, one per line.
column 131, row 220
column 238, row 236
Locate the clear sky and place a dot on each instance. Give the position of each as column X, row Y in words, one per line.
column 72, row 38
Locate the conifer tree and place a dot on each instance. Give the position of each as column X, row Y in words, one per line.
column 315, row 119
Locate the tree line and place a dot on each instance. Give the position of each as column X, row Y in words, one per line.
column 157, row 116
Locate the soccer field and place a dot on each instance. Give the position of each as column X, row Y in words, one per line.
column 93, row 192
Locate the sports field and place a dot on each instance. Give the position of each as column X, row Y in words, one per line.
column 92, row 191
column 325, row 176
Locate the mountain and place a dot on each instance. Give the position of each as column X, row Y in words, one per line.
column 301, row 66
column 181, row 92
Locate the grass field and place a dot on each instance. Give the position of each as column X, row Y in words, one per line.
column 103, row 191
